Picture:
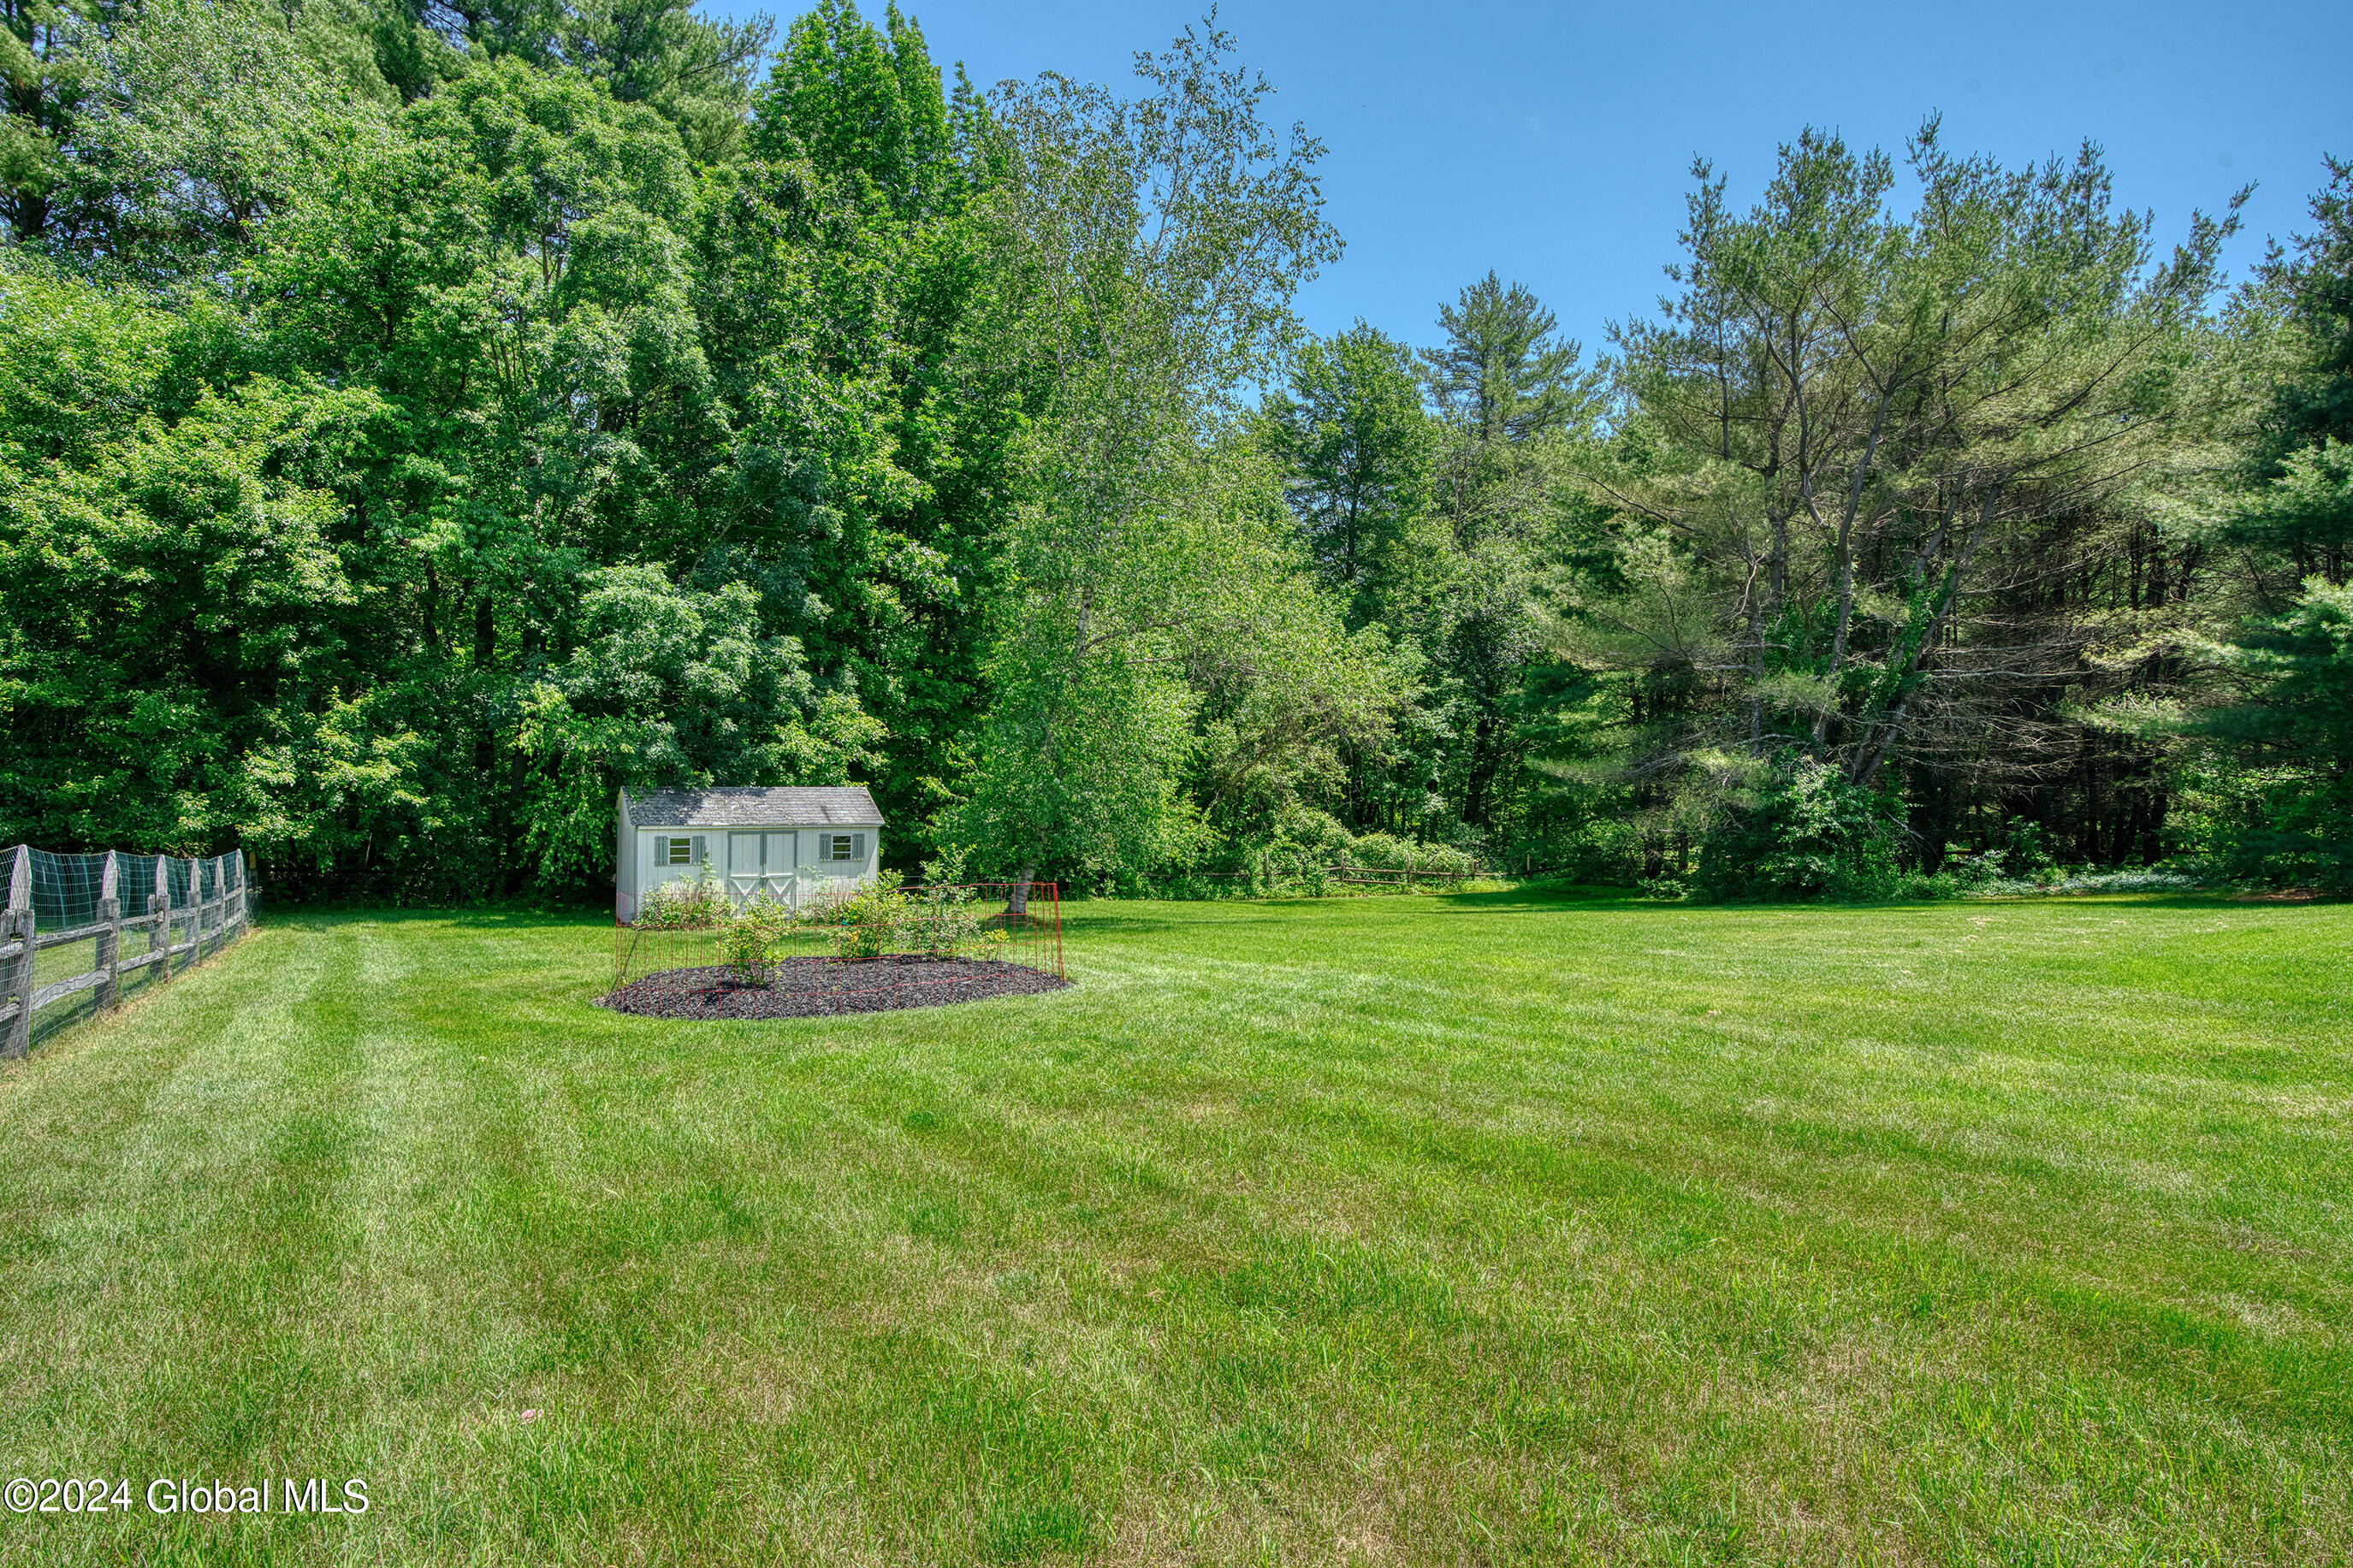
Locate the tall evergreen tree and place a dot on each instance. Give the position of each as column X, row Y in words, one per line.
column 2302, row 501
column 862, row 108
column 861, row 102
column 695, row 73
column 45, row 73
column 2286, row 724
column 1356, row 447
column 1869, row 457
column 1502, row 372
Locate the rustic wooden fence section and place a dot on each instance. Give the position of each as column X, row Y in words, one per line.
column 1381, row 877
column 179, row 910
column 1341, row 877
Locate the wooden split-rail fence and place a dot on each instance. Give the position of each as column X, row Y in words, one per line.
column 1382, row 876
column 217, row 908
column 1358, row 876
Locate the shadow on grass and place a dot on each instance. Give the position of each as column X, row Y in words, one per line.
column 1146, row 916
column 1120, row 917
column 492, row 918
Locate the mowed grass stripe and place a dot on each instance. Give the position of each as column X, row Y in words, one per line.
column 1385, row 1230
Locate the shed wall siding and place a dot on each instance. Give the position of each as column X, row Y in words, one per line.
column 647, row 873
column 626, row 878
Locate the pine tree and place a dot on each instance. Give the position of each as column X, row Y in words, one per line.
column 2303, row 504
column 1355, row 446
column 1502, row 372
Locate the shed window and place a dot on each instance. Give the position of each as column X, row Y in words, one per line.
column 676, row 852
column 843, row 846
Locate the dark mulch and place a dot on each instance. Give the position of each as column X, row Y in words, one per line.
column 821, row 987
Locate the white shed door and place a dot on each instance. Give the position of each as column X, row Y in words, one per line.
column 744, row 853
column 760, row 862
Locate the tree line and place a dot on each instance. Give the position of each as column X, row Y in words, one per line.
column 418, row 421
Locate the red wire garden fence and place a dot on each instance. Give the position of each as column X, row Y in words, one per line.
column 695, row 953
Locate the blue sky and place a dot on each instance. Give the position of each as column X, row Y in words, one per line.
column 1551, row 142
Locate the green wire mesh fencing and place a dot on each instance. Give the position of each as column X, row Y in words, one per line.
column 82, row 931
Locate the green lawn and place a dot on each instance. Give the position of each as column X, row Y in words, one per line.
column 1408, row 1231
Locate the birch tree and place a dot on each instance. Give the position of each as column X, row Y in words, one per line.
column 1146, row 253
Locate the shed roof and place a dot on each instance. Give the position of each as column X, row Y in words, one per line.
column 790, row 807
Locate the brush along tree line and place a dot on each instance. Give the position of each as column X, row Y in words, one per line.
column 418, row 422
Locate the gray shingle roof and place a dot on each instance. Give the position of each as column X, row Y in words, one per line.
column 756, row 808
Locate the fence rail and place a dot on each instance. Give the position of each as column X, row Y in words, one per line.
column 1338, row 876
column 1384, row 877
column 181, row 909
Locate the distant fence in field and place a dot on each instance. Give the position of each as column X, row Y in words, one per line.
column 71, row 922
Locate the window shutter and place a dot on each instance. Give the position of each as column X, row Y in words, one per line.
column 858, row 848
column 699, row 850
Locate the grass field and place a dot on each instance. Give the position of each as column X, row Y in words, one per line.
column 1481, row 1230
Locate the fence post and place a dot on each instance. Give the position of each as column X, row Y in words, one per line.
column 110, row 940
column 168, row 923
column 203, row 905
column 196, row 897
column 159, row 904
column 17, row 925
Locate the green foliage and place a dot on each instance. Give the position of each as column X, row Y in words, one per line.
column 751, row 935
column 181, row 620
column 1501, row 374
column 2026, row 850
column 1355, row 450
column 1808, row 833
column 670, row 686
column 864, row 107
column 946, row 922
column 561, row 466
column 2289, row 819
column 2300, row 458
column 418, row 421
column 695, row 74
column 1381, row 851
column 214, row 118
column 1439, row 529
column 2279, row 798
column 696, row 903
column 1150, row 250
column 1965, row 585
column 1811, row 600
column 867, row 919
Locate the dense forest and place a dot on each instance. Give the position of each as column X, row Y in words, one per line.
column 420, row 419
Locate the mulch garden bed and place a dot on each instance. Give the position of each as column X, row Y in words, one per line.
column 823, row 987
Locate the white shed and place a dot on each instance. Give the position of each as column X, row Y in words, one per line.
column 789, row 841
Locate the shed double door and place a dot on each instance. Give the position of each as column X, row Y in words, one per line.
column 766, row 861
